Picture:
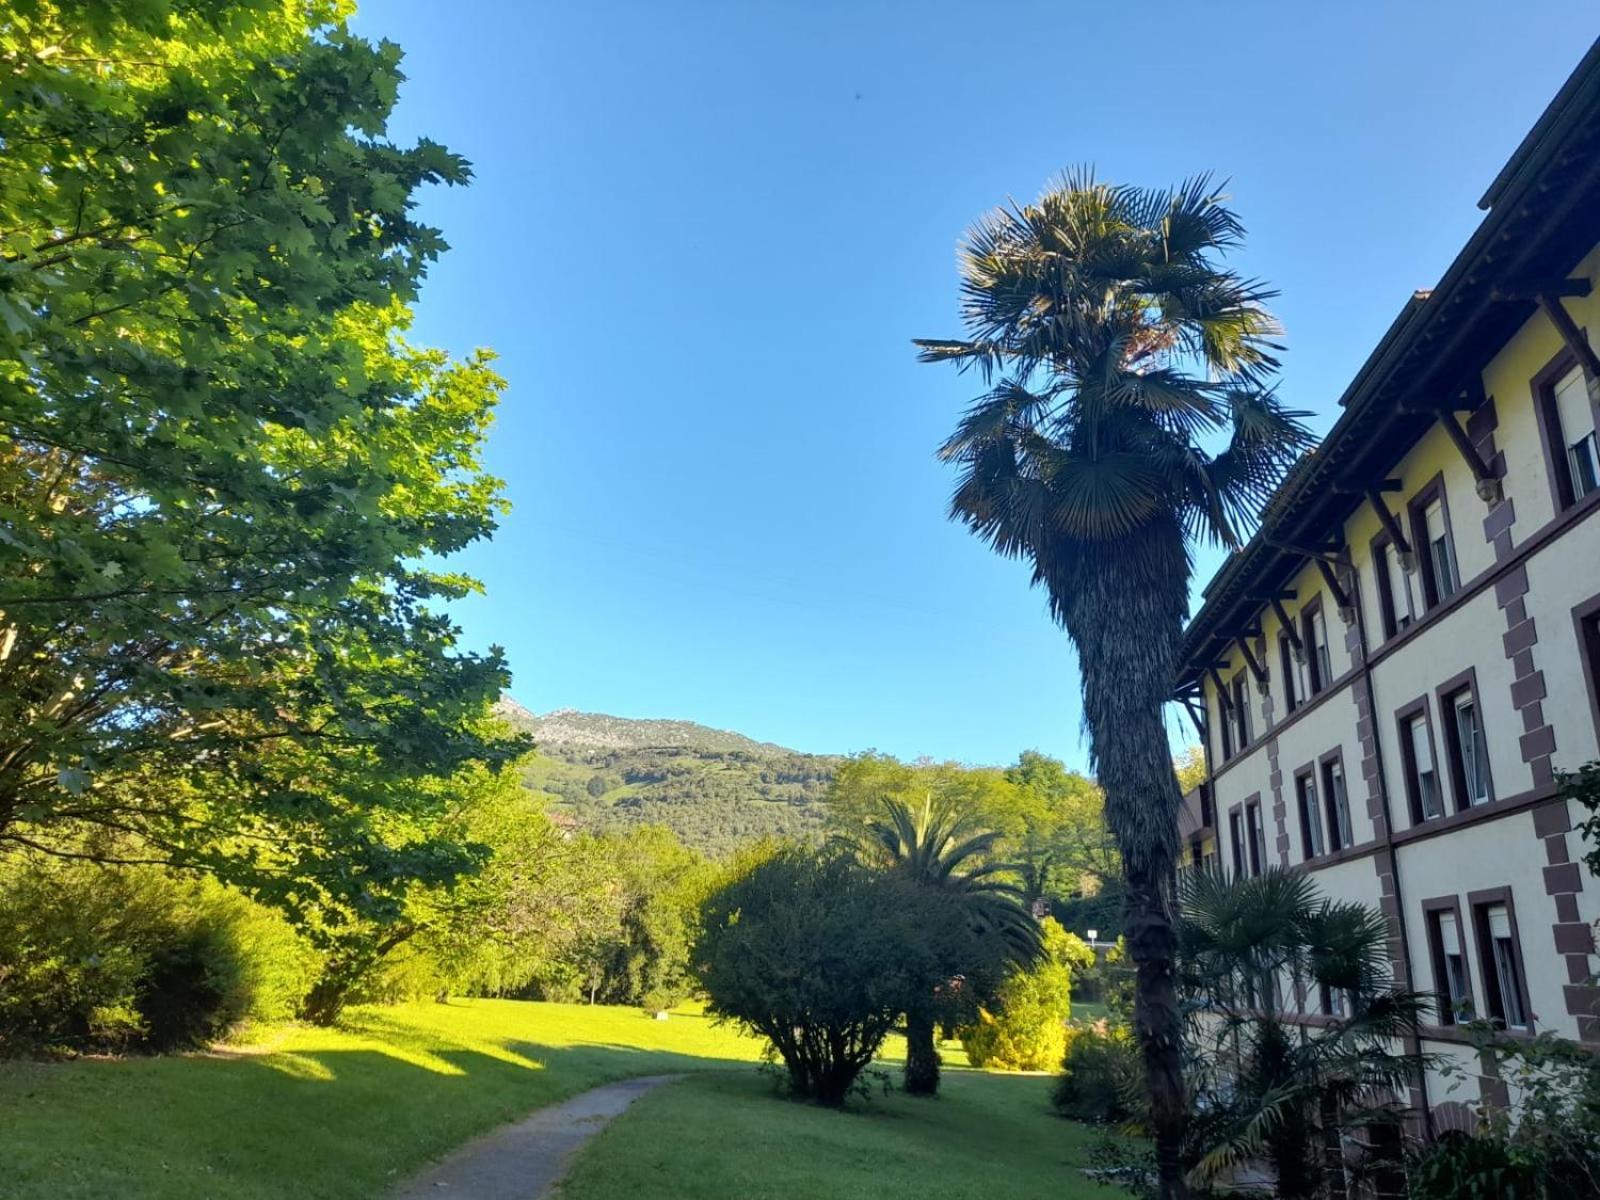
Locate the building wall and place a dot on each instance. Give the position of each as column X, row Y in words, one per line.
column 1524, row 568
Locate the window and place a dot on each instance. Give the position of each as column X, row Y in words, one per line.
column 1225, row 723
column 1586, row 619
column 1422, row 777
column 1236, row 842
column 1286, row 664
column 1436, row 556
column 1501, row 955
column 1451, row 982
column 1305, row 786
column 1241, row 708
column 1469, row 750
column 1331, row 1001
column 1314, row 632
column 1397, row 589
column 1258, row 837
column 1340, row 834
column 1576, row 434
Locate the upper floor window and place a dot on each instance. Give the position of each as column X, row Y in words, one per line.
column 1422, row 776
column 1341, row 835
column 1314, row 633
column 1503, row 986
column 1258, row 837
column 1397, row 589
column 1225, row 723
column 1241, row 708
column 1451, row 981
column 1305, row 786
column 1575, row 434
column 1288, row 668
column 1469, row 749
column 1236, row 842
column 1436, row 556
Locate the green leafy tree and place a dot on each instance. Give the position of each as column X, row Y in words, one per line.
column 226, row 480
column 1116, row 351
column 936, row 847
column 820, row 956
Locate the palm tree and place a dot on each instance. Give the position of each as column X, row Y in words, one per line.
column 1275, row 1089
column 935, row 845
column 1117, row 354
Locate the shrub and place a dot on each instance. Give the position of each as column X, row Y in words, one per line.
column 820, row 956
column 1460, row 1167
column 1024, row 1027
column 1102, row 1075
column 109, row 958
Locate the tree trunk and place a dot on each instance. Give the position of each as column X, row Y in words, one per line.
column 1123, row 603
column 922, row 1056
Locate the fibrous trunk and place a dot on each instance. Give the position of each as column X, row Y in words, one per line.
column 922, row 1056
column 1123, row 603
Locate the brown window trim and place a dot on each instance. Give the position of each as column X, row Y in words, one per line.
column 1441, row 987
column 1292, row 699
column 1336, row 755
column 1445, row 694
column 1388, row 618
column 1315, row 683
column 1432, row 490
column 1586, row 624
column 1257, row 852
column 1408, row 762
column 1308, row 771
column 1239, row 688
column 1556, row 469
column 1477, row 901
column 1238, row 840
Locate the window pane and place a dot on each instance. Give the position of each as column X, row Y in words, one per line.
column 1341, row 805
column 1577, row 431
column 1449, row 935
column 1310, row 817
column 1439, row 551
column 1584, row 460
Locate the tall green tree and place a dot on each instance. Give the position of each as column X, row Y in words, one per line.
column 934, row 845
column 227, row 482
column 1127, row 415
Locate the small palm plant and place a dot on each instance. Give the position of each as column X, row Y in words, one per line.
column 935, row 845
column 1294, row 1022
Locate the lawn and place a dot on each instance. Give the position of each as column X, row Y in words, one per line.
column 346, row 1113
column 728, row 1136
column 317, row 1113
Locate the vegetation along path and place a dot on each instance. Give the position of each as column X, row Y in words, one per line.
column 524, row 1160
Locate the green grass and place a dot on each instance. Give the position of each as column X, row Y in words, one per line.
column 319, row 1114
column 729, row 1136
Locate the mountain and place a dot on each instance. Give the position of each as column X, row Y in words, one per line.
column 714, row 788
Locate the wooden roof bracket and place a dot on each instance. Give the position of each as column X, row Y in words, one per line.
column 1550, row 301
column 1289, row 630
column 1483, row 476
column 1255, row 666
column 1341, row 597
column 1196, row 718
column 1224, row 701
column 1408, row 558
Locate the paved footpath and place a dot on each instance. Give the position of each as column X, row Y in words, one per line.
column 526, row 1159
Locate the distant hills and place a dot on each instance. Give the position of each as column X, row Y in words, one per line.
column 715, row 789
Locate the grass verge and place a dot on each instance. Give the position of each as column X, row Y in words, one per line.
column 729, row 1136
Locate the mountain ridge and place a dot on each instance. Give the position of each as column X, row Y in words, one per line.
column 715, row 788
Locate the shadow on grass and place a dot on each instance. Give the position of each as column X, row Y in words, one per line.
column 306, row 1121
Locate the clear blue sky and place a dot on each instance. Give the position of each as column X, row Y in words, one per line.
column 702, row 236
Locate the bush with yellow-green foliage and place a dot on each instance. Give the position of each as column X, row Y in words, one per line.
column 97, row 958
column 1024, row 1027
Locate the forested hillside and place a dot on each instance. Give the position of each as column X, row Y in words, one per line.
column 714, row 789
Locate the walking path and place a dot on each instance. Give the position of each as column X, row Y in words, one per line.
column 526, row 1159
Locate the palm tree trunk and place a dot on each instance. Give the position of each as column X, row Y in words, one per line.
column 1123, row 604
column 922, row 1056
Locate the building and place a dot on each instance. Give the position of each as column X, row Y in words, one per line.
column 1388, row 677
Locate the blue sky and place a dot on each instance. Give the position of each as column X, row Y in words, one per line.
column 702, row 236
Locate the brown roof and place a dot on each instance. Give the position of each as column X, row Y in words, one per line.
column 1544, row 215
